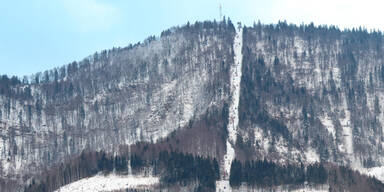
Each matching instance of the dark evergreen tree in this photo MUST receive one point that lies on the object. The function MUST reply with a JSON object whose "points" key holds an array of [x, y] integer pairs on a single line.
{"points": [[235, 177]]}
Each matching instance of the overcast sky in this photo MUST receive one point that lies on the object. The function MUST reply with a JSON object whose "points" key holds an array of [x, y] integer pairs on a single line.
{"points": [[36, 35]]}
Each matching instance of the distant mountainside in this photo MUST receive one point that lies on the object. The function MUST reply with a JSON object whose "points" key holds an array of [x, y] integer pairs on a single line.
{"points": [[205, 107]]}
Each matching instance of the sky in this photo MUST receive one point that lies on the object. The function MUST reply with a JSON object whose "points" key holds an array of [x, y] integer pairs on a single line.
{"points": [[36, 35]]}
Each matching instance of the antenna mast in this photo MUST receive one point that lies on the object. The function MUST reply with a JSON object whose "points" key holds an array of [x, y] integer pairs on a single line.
{"points": [[220, 9]]}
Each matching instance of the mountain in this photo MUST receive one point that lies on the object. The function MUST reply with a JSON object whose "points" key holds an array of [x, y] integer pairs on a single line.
{"points": [[204, 107]]}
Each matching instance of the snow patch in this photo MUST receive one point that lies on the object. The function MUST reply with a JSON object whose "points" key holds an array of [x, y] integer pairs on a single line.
{"points": [[188, 109], [311, 156], [286, 188], [228, 158], [299, 45], [377, 172], [328, 124], [168, 87], [312, 189], [222, 186], [262, 139], [346, 128], [281, 147], [336, 76], [109, 183]]}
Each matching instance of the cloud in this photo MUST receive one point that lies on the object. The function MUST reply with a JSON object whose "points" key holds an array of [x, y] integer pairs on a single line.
{"points": [[344, 13], [91, 15]]}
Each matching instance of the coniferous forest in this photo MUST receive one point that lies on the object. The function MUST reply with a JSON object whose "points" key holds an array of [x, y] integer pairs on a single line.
{"points": [[173, 168], [263, 173], [176, 168], [266, 174]]}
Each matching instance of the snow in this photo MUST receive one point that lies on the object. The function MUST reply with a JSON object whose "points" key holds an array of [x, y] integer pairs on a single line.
{"points": [[222, 186], [328, 124], [228, 158], [262, 139], [311, 189], [286, 188], [346, 128], [188, 104], [377, 172], [168, 87], [336, 76], [109, 183], [235, 88], [299, 45], [311, 155], [233, 108], [281, 147], [235, 78]]}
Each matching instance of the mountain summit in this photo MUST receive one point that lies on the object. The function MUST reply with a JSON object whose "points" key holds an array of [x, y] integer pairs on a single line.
{"points": [[204, 107]]}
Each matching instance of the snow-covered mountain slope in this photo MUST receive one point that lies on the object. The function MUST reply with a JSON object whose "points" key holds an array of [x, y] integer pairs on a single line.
{"points": [[312, 94], [117, 97], [290, 94]]}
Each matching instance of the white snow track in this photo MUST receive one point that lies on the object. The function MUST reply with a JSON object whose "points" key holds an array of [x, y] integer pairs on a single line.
{"points": [[110, 182], [233, 118]]}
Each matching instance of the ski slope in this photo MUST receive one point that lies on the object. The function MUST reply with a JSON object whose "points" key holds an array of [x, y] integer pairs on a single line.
{"points": [[233, 121]]}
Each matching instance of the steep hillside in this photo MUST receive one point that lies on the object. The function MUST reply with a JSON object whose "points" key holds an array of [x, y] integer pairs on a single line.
{"points": [[312, 94], [200, 99], [117, 97]]}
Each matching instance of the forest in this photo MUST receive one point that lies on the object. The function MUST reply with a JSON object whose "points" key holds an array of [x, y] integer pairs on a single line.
{"points": [[174, 168], [295, 80], [263, 173], [105, 100], [267, 174]]}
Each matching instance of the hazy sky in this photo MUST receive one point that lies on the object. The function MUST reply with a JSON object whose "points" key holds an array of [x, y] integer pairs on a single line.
{"points": [[36, 35]]}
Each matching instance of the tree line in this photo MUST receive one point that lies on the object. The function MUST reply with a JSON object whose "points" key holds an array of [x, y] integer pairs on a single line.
{"points": [[263, 173], [173, 168]]}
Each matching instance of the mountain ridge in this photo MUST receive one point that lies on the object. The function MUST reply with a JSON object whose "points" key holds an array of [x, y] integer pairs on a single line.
{"points": [[307, 94]]}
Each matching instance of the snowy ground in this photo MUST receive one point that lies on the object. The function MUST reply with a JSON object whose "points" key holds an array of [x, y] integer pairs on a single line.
{"points": [[233, 108], [328, 124], [285, 188], [347, 145], [311, 156], [312, 189], [110, 182], [377, 172], [223, 185]]}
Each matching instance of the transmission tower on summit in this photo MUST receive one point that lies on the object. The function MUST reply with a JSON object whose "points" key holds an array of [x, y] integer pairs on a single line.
{"points": [[220, 10]]}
